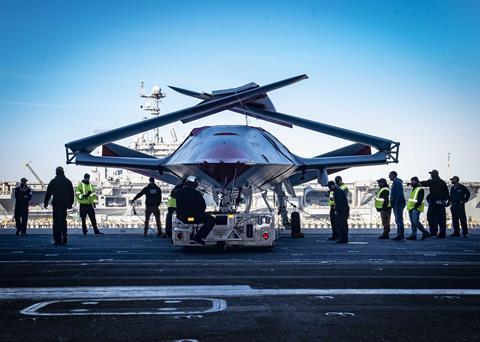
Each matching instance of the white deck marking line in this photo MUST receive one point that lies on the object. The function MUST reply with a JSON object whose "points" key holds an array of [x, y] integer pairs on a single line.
{"points": [[166, 292], [35, 309]]}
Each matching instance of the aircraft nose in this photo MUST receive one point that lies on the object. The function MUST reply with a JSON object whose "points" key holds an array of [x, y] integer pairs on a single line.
{"points": [[223, 153]]}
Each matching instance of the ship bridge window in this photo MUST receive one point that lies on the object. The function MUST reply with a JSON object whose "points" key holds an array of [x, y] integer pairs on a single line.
{"points": [[225, 133]]}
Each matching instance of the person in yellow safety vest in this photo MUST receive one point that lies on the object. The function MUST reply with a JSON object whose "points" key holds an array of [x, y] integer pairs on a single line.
{"points": [[415, 206], [172, 207], [86, 197], [383, 206], [331, 203], [341, 185]]}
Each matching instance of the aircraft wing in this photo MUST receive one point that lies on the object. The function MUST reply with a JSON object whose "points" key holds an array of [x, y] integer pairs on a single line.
{"points": [[333, 161], [382, 144], [206, 108], [84, 158], [262, 108], [118, 156]]}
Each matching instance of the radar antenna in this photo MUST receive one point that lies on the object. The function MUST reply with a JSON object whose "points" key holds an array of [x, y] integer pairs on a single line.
{"points": [[156, 97]]}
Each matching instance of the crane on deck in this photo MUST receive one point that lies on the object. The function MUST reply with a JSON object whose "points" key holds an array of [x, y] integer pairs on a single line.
{"points": [[29, 166]]}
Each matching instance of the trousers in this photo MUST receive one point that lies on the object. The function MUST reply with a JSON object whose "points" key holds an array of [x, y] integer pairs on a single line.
{"points": [[87, 209], [437, 219], [341, 222], [414, 215], [458, 214], [385, 215], [333, 223], [59, 223], [21, 218], [398, 213], [168, 222], [156, 212]]}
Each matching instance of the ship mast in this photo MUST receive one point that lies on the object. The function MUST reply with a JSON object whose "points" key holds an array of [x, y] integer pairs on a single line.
{"points": [[153, 109]]}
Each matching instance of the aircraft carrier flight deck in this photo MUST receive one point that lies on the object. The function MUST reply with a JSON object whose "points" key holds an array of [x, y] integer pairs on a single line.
{"points": [[124, 286]]}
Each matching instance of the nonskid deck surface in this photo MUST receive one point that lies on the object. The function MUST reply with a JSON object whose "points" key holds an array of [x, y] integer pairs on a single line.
{"points": [[122, 285]]}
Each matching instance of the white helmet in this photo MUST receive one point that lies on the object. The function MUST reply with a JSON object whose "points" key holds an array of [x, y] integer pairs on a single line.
{"points": [[192, 179]]}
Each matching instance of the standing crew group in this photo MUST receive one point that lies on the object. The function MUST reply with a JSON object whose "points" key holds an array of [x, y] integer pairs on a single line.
{"points": [[393, 199], [189, 205]]}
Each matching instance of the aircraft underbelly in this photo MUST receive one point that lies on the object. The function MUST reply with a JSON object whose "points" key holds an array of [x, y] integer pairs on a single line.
{"points": [[236, 175]]}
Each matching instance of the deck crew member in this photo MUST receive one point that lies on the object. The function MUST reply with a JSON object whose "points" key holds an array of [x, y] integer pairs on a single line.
{"points": [[61, 189], [342, 211], [415, 207], [23, 195], [153, 198], [331, 203], [191, 208], [87, 198], [171, 208], [397, 200], [339, 182], [437, 202], [383, 206], [459, 195]]}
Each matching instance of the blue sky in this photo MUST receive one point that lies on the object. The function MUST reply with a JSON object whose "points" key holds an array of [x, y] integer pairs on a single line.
{"points": [[406, 70]]}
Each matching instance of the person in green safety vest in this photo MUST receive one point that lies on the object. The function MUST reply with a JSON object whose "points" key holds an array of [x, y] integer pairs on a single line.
{"points": [[331, 203], [171, 208], [86, 198], [415, 206], [341, 185], [383, 206], [342, 210]]}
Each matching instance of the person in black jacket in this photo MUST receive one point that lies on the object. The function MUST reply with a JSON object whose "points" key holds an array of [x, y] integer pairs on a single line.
{"points": [[342, 211], [61, 189], [153, 198], [23, 195], [191, 209], [437, 201], [459, 195]]}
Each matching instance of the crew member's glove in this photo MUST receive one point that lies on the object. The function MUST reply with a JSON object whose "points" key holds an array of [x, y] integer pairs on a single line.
{"points": [[88, 194], [45, 205]]}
